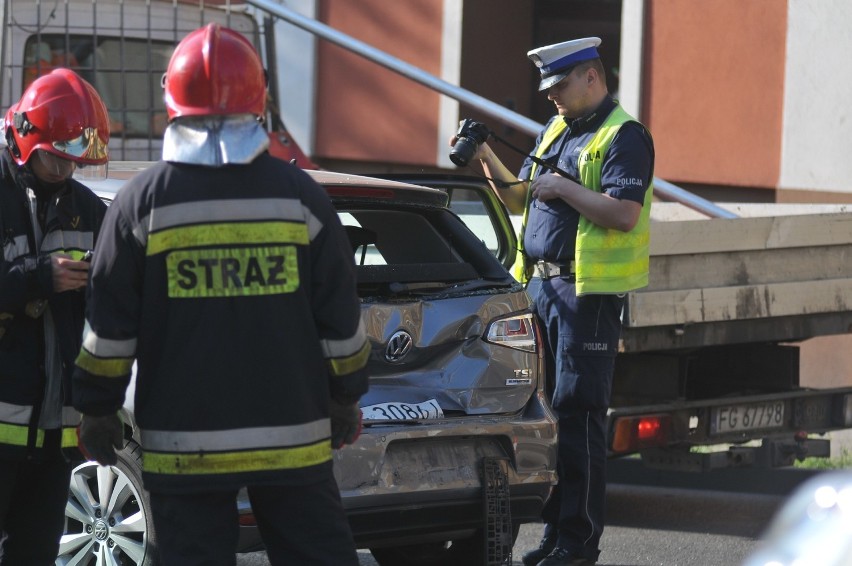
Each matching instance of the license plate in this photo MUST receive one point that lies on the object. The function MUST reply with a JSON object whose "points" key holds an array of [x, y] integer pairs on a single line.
{"points": [[752, 416], [403, 411]]}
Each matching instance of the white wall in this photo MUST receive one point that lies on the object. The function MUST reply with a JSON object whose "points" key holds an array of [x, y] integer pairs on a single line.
{"points": [[448, 113], [296, 53], [630, 65], [817, 133]]}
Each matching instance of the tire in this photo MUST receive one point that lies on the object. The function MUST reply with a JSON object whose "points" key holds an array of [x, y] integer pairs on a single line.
{"points": [[108, 515], [463, 552]]}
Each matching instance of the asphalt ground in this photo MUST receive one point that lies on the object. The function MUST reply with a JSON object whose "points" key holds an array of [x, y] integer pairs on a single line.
{"points": [[658, 518]]}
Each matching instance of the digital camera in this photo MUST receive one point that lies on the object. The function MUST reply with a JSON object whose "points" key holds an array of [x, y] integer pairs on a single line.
{"points": [[470, 136]]}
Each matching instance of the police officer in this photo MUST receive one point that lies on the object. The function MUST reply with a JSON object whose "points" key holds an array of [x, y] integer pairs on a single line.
{"points": [[226, 274], [48, 221], [585, 239]]}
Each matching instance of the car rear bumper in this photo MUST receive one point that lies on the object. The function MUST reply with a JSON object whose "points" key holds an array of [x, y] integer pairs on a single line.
{"points": [[426, 480], [420, 518]]}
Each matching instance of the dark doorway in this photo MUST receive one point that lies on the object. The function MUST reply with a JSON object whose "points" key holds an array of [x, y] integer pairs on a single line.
{"points": [[555, 21]]}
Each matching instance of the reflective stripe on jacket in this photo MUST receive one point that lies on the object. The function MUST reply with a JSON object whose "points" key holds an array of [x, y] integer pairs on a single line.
{"points": [[237, 450], [15, 428]]}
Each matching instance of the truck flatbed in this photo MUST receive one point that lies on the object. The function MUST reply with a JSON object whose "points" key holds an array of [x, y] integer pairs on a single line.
{"points": [[779, 273], [709, 352]]}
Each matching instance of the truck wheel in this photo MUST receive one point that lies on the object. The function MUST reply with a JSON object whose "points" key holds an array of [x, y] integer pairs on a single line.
{"points": [[108, 515]]}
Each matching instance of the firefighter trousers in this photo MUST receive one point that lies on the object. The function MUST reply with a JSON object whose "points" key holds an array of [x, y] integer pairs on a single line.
{"points": [[303, 525]]}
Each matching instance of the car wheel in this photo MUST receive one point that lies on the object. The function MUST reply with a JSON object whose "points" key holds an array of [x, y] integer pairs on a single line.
{"points": [[108, 515], [463, 552]]}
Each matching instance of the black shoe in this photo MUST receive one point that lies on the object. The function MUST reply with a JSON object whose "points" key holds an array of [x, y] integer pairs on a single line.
{"points": [[545, 547], [564, 557]]}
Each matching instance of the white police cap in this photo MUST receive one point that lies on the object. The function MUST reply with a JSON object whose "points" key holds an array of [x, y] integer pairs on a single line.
{"points": [[556, 61]]}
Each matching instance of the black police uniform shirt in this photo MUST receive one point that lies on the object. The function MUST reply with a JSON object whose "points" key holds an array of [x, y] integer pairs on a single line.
{"points": [[551, 229]]}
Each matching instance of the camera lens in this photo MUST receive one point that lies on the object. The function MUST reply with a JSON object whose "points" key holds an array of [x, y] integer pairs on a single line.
{"points": [[463, 151]]}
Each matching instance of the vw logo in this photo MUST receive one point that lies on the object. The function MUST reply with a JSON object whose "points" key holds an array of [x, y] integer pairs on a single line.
{"points": [[101, 530], [398, 346]]}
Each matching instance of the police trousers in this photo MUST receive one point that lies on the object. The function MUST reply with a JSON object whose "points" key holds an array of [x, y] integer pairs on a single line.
{"points": [[581, 338], [300, 525]]}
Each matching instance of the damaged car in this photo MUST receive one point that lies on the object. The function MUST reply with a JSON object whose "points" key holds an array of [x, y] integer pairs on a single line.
{"points": [[458, 447]]}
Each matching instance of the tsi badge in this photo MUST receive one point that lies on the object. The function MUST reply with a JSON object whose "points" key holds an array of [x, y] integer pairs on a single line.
{"points": [[522, 377]]}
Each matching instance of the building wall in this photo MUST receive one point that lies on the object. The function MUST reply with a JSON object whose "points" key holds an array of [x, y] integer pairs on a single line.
{"points": [[496, 35], [295, 54], [371, 118], [365, 111], [365, 117], [817, 109], [745, 98], [714, 87]]}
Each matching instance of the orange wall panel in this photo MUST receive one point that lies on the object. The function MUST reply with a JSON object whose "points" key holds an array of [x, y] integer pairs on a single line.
{"points": [[365, 111], [714, 89]]}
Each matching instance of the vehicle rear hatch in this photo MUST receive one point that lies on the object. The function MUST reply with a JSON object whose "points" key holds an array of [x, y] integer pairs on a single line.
{"points": [[448, 324]]}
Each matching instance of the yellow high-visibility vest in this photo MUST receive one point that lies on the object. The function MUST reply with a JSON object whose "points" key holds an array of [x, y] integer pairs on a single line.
{"points": [[607, 261], [520, 270], [610, 261]]}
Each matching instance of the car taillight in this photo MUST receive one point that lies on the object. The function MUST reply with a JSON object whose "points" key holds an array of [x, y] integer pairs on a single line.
{"points": [[516, 332], [635, 433]]}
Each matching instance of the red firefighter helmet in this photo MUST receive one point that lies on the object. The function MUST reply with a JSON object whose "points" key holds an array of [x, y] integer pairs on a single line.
{"points": [[214, 71], [62, 114]]}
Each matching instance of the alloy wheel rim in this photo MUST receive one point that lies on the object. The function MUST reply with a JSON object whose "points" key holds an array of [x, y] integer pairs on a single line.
{"points": [[105, 522]]}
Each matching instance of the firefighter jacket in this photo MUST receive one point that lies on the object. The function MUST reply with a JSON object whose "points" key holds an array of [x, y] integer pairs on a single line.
{"points": [[233, 288], [40, 331]]}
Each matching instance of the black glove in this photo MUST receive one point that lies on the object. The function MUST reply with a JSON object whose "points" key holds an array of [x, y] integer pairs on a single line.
{"points": [[99, 437], [345, 423]]}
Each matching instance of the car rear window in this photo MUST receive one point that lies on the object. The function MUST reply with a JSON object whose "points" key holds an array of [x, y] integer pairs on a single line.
{"points": [[400, 249]]}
